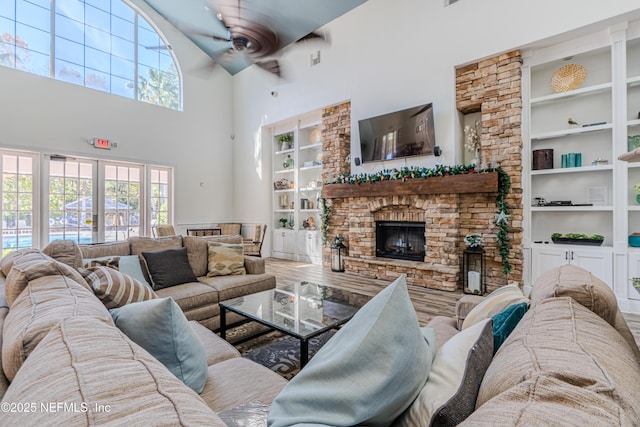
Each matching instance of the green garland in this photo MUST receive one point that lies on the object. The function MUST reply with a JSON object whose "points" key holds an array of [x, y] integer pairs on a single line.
{"points": [[502, 220], [325, 217], [412, 172]]}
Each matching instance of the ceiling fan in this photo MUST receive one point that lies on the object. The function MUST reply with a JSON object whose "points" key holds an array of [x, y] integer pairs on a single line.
{"points": [[243, 37]]}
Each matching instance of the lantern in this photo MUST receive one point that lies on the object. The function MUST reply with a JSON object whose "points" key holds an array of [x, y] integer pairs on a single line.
{"points": [[473, 270], [337, 254]]}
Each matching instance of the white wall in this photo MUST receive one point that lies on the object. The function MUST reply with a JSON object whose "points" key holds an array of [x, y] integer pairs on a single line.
{"points": [[385, 56], [56, 117]]}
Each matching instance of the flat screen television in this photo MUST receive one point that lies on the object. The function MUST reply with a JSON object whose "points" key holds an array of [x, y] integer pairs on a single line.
{"points": [[404, 133]]}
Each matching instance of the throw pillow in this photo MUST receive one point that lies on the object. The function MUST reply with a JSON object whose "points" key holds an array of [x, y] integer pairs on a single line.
{"points": [[116, 289], [65, 251], [169, 267], [127, 264], [497, 301], [505, 322], [368, 373], [449, 396], [225, 259], [160, 327]]}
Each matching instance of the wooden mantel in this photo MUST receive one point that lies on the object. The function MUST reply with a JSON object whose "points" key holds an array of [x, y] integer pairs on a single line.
{"points": [[452, 184]]}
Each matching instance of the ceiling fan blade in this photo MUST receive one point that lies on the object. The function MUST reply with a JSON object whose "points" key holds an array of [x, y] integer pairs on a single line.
{"points": [[271, 66]]}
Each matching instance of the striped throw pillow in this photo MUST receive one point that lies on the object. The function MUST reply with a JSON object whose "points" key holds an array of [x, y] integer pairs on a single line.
{"points": [[116, 289]]}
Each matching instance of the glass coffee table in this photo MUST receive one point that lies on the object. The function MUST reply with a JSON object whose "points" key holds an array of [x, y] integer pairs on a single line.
{"points": [[302, 310]]}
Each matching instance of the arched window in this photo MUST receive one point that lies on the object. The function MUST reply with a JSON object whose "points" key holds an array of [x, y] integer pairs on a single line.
{"points": [[105, 45]]}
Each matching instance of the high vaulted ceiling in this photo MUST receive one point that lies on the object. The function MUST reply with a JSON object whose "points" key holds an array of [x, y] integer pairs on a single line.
{"points": [[238, 33]]}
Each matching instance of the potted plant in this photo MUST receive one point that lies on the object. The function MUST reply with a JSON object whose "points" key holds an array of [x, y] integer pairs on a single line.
{"points": [[637, 188], [577, 239], [283, 222], [285, 141]]}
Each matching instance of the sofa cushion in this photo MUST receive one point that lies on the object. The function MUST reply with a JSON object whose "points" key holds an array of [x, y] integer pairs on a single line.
{"points": [[449, 396], [561, 342], [43, 304], [494, 303], [116, 289], [87, 361], [98, 250], [368, 373], [169, 267], [191, 295], [579, 284], [198, 251], [159, 326], [215, 347], [151, 244], [236, 381], [65, 251], [236, 286], [7, 261], [549, 401], [31, 267], [506, 321], [225, 259]]}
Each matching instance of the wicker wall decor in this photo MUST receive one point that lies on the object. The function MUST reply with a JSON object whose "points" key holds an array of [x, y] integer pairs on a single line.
{"points": [[569, 77]]}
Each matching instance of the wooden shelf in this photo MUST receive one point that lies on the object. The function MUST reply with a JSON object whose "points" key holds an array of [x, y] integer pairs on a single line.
{"points": [[453, 184]]}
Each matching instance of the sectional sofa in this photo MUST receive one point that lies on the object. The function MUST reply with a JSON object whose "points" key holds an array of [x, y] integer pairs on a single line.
{"points": [[198, 299], [64, 361], [570, 359]]}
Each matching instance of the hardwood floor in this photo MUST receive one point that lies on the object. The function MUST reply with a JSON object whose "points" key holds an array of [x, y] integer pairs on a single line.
{"points": [[427, 302]]}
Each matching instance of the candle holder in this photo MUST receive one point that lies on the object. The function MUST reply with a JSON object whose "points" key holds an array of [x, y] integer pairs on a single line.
{"points": [[337, 254], [473, 271]]}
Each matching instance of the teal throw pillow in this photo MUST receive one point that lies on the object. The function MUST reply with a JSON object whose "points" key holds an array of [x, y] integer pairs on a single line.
{"points": [[505, 322], [368, 373], [160, 327]]}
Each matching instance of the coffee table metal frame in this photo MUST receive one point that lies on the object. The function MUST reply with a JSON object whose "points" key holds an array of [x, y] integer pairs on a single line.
{"points": [[299, 329]]}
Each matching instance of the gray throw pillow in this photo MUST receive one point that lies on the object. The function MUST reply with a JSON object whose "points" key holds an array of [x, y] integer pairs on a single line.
{"points": [[160, 327], [169, 267], [368, 373], [450, 394]]}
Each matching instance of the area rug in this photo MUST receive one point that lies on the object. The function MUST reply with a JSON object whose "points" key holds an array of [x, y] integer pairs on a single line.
{"points": [[275, 350]]}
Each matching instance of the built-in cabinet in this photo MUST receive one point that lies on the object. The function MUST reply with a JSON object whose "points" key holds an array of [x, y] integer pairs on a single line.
{"points": [[588, 125], [297, 176]]}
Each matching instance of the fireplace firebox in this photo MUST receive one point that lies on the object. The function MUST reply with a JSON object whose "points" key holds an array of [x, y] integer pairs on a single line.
{"points": [[400, 240]]}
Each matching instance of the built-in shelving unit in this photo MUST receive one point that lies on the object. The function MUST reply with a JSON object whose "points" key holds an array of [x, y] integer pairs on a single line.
{"points": [[299, 239], [594, 119]]}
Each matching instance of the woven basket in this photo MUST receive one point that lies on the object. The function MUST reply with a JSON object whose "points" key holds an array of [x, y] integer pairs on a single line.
{"points": [[569, 77]]}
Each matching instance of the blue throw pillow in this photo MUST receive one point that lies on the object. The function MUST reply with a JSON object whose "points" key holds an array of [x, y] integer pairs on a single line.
{"points": [[368, 373], [160, 327], [505, 322]]}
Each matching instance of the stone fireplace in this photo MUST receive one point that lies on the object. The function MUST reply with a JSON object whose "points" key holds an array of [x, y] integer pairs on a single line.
{"points": [[492, 87], [400, 240]]}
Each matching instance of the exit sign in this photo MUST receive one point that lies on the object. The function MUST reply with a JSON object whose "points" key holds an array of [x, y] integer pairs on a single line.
{"points": [[102, 143]]}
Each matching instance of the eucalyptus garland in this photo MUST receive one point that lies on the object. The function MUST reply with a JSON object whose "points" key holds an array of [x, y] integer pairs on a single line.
{"points": [[413, 172]]}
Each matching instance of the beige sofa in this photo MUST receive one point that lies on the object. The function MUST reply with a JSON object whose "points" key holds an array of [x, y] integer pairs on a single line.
{"points": [[66, 363], [198, 300], [571, 360]]}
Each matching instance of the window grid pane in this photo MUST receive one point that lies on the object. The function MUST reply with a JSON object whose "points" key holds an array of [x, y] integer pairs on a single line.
{"points": [[94, 47], [17, 202], [121, 202]]}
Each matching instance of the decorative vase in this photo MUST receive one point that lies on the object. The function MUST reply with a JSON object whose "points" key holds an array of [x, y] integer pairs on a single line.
{"points": [[288, 164]]}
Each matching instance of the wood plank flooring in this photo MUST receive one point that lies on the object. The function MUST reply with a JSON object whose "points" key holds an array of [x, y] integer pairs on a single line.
{"points": [[427, 302]]}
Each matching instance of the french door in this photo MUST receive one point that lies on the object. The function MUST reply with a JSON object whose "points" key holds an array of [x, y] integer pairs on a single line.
{"points": [[48, 197], [93, 201]]}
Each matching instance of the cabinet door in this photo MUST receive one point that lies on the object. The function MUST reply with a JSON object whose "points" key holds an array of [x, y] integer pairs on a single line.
{"points": [[309, 247], [543, 259], [284, 243], [600, 264], [634, 271]]}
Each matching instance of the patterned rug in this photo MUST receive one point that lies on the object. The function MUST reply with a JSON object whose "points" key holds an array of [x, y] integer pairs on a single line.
{"points": [[275, 350]]}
